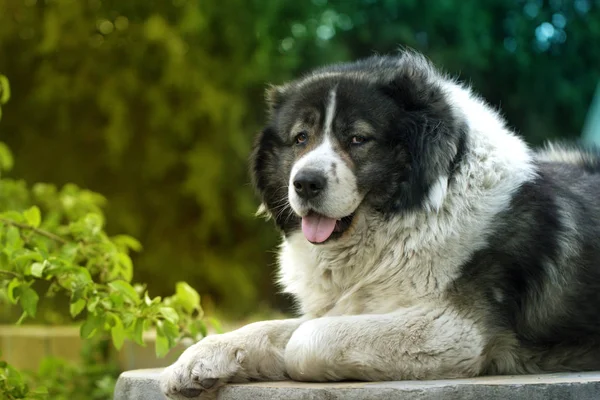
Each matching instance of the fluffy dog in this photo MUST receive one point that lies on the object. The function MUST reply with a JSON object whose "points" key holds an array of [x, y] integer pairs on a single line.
{"points": [[422, 238]]}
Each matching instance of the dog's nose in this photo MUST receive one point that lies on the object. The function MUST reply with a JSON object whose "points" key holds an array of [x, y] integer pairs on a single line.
{"points": [[309, 184]]}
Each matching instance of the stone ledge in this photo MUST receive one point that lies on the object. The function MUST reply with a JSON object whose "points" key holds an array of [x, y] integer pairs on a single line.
{"points": [[143, 385]]}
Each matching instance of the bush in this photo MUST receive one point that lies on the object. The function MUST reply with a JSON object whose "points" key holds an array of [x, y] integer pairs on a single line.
{"points": [[94, 378], [53, 243], [146, 103]]}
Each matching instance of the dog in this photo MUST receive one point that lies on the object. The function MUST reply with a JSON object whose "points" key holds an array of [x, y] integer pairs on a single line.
{"points": [[422, 238]]}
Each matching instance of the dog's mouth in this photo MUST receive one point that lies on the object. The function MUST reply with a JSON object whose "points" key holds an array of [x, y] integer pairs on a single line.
{"points": [[318, 228]]}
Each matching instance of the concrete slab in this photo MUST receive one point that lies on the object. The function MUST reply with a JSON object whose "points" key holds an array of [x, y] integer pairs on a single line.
{"points": [[143, 385]]}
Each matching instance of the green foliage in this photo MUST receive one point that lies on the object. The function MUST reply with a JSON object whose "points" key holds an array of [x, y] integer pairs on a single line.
{"points": [[94, 379], [14, 386], [57, 237], [70, 250], [4, 97], [6, 159], [146, 102]]}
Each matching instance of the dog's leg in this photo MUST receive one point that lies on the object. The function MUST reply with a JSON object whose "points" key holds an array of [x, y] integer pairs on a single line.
{"points": [[415, 343], [253, 352]]}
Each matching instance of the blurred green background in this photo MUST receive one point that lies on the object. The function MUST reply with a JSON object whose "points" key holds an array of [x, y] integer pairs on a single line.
{"points": [[155, 105]]}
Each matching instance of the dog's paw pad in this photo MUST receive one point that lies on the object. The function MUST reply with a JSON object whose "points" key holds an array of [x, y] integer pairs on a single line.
{"points": [[190, 392], [208, 383]]}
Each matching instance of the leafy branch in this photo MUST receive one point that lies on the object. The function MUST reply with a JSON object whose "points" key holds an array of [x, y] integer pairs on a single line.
{"points": [[57, 236], [71, 251], [36, 230]]}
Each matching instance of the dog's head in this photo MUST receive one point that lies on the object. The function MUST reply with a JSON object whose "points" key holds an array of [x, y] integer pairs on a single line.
{"points": [[374, 136]]}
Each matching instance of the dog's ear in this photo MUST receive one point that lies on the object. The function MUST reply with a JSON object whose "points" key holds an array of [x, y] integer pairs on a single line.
{"points": [[269, 162], [428, 130], [415, 85], [275, 96], [268, 166], [410, 89]]}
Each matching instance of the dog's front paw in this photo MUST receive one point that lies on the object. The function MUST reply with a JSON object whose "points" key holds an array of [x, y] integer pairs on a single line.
{"points": [[202, 369]]}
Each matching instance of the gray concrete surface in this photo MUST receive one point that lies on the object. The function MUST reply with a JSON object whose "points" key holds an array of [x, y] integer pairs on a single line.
{"points": [[143, 385]]}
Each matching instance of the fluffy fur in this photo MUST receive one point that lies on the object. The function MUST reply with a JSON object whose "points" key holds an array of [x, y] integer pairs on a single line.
{"points": [[458, 251]]}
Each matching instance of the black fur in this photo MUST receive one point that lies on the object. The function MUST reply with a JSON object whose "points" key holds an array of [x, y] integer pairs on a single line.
{"points": [[543, 259]]}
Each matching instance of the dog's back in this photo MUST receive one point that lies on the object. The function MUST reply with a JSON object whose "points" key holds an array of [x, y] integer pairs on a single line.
{"points": [[541, 269]]}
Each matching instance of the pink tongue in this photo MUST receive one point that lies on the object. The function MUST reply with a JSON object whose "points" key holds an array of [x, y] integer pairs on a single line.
{"points": [[317, 228]]}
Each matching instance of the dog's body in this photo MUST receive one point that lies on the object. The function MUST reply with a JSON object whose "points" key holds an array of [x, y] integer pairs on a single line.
{"points": [[422, 239]]}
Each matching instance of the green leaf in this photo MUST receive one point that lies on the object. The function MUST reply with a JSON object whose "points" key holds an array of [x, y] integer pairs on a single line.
{"points": [[138, 331], [12, 286], [37, 269], [4, 261], [171, 332], [127, 242], [87, 228], [12, 215], [33, 216], [13, 239], [93, 303], [4, 90], [118, 332], [187, 297], [126, 266], [28, 256], [126, 290], [215, 324], [161, 346], [201, 327], [170, 314], [69, 251], [91, 326], [6, 158], [28, 300], [93, 223], [106, 303], [40, 390], [150, 302], [77, 307], [77, 293], [82, 276], [117, 301]]}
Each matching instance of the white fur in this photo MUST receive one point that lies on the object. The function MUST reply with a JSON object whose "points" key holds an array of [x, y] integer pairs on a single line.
{"points": [[437, 194], [373, 301], [384, 347], [330, 113], [557, 153]]}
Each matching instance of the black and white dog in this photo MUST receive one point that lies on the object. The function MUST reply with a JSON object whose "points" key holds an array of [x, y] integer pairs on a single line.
{"points": [[422, 239]]}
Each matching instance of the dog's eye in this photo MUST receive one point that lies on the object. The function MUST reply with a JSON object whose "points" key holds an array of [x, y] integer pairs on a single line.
{"points": [[301, 138], [356, 140]]}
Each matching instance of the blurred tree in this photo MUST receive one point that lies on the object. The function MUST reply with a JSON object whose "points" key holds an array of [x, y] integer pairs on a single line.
{"points": [[155, 103], [148, 102]]}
